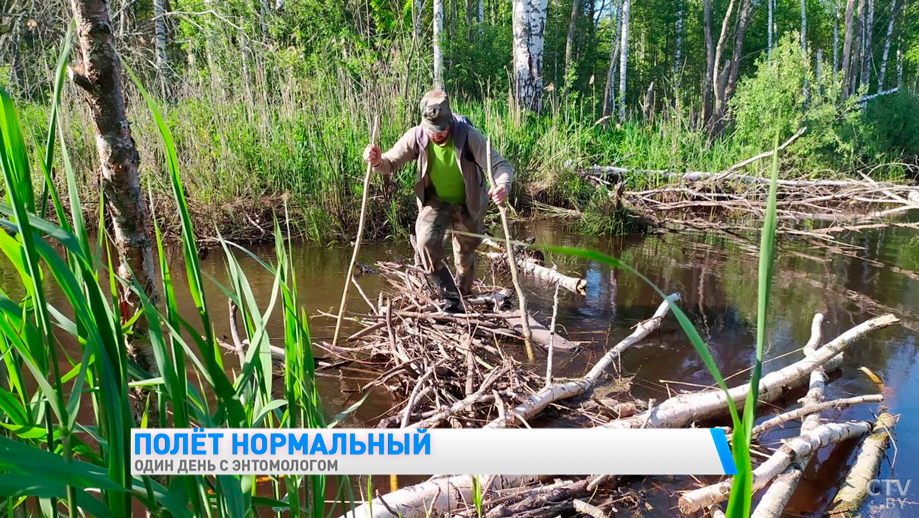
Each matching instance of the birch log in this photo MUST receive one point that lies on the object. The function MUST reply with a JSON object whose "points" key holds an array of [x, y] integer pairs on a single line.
{"points": [[815, 409], [854, 490], [804, 444], [435, 497], [542, 399], [546, 275], [682, 410]]}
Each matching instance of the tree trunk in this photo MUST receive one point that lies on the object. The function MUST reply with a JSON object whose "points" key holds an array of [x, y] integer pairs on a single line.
{"points": [[470, 16], [438, 39], [569, 41], [417, 21], [162, 62], [854, 491], [836, 46], [709, 62], [867, 53], [678, 53], [847, 48], [804, 25], [481, 19], [529, 24], [818, 73], [623, 57], [857, 48], [99, 75], [718, 80], [609, 94], [739, 35], [882, 74], [900, 64], [769, 28]]}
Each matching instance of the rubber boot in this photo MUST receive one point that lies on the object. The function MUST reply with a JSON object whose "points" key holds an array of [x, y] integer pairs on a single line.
{"points": [[445, 284]]}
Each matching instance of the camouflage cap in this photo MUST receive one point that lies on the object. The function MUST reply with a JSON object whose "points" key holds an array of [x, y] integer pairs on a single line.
{"points": [[435, 111]]}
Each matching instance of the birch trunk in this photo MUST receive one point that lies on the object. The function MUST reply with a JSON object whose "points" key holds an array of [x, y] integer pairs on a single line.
{"points": [[609, 94], [882, 73], [818, 73], [769, 28], [99, 75], [847, 48], [743, 21], [569, 41], [804, 25], [854, 491], [438, 39], [836, 46], [623, 57], [162, 62], [529, 25], [481, 18], [867, 54], [678, 53], [709, 62], [857, 48], [682, 410], [804, 445], [545, 397], [900, 64], [419, 4], [717, 83]]}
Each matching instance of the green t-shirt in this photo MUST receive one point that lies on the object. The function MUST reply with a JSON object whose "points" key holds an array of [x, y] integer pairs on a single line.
{"points": [[445, 172]]}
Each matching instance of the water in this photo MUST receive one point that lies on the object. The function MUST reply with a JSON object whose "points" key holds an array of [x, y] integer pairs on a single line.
{"points": [[716, 277]]}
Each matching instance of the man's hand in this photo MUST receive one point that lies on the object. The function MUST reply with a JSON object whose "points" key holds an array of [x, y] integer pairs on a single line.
{"points": [[373, 155], [498, 194]]}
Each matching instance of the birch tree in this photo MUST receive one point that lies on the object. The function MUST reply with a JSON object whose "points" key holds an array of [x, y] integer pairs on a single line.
{"points": [[438, 39], [98, 75], [709, 62], [719, 73], [569, 41], [858, 47], [847, 47], [769, 29], [678, 50], [623, 57], [867, 54], [804, 25], [609, 93], [529, 26], [882, 73]]}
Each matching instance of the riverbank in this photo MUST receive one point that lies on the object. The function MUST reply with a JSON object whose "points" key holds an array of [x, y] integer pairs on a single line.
{"points": [[297, 156]]}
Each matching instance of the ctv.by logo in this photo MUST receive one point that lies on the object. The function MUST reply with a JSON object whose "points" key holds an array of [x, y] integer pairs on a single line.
{"points": [[894, 490]]}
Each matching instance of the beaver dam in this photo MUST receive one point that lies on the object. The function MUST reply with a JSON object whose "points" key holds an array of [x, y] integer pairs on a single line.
{"points": [[472, 370]]}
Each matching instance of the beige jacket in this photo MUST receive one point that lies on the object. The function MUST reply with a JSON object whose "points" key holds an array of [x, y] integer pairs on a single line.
{"points": [[470, 152]]}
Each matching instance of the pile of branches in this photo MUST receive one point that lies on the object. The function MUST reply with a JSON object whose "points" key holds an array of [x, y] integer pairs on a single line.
{"points": [[451, 370], [447, 369]]}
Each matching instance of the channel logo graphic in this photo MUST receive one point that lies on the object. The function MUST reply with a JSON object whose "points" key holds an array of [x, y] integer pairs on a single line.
{"points": [[599, 451]]}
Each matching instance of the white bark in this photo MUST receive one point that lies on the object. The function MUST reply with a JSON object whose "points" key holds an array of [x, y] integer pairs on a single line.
{"points": [[867, 52], [805, 444], [882, 73], [678, 51], [545, 397], [529, 25], [900, 64], [419, 5], [812, 406], [804, 25], [682, 410], [435, 497], [854, 490], [819, 71], [438, 39], [836, 45], [770, 27], [481, 14], [623, 57], [546, 275], [162, 62], [609, 95]]}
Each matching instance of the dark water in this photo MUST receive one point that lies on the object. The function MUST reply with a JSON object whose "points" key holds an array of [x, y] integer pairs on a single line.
{"points": [[716, 277]]}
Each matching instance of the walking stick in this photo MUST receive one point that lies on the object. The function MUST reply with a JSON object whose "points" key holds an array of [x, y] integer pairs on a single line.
{"points": [[525, 317], [357, 240]]}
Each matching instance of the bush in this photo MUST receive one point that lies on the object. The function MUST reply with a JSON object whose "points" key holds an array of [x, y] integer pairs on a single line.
{"points": [[784, 96], [896, 124]]}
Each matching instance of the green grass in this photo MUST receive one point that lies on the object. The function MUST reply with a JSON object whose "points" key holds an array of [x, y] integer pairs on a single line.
{"points": [[56, 458]]}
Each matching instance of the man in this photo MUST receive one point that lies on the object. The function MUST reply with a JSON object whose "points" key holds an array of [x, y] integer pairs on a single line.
{"points": [[450, 188]]}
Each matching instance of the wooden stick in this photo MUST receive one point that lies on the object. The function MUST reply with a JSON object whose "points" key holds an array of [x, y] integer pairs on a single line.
{"points": [[551, 338], [854, 490], [527, 335], [357, 240]]}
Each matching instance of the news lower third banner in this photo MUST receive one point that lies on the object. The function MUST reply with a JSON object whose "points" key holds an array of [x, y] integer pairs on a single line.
{"points": [[594, 451]]}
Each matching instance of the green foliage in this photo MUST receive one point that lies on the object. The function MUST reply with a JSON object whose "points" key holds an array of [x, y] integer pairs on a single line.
{"points": [[895, 124], [784, 96]]}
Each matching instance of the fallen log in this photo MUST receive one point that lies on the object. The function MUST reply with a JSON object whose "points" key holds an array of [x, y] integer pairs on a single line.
{"points": [[685, 409], [854, 490], [543, 274], [804, 411], [707, 176], [804, 444], [540, 334], [433, 497], [545, 397]]}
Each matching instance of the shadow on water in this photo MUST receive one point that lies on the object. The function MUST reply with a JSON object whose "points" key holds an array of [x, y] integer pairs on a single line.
{"points": [[717, 280]]}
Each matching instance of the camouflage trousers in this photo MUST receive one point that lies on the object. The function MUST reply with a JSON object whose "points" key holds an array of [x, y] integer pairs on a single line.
{"points": [[434, 218]]}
